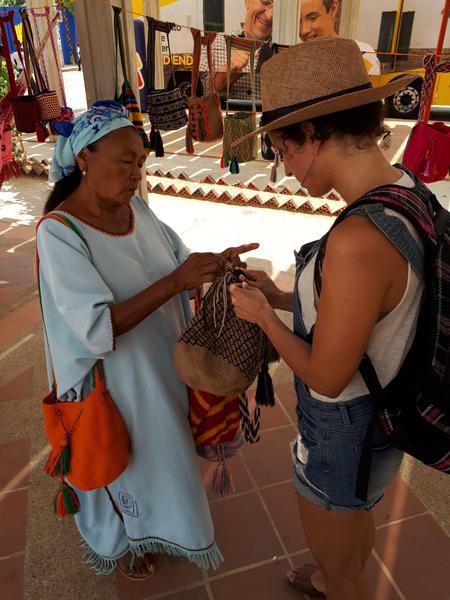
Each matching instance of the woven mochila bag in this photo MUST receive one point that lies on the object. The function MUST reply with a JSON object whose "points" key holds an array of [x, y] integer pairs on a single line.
{"points": [[166, 107], [221, 354], [239, 124]]}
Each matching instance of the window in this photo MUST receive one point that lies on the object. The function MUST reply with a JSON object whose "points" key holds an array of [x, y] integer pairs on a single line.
{"points": [[213, 15], [387, 33]]}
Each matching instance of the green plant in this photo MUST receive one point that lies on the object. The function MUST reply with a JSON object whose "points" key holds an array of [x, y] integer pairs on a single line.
{"points": [[12, 2]]}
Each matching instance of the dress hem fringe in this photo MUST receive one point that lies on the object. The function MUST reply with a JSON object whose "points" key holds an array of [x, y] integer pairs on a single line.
{"points": [[209, 558]]}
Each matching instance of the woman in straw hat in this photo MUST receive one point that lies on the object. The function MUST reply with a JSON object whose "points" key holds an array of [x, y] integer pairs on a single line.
{"points": [[324, 119]]}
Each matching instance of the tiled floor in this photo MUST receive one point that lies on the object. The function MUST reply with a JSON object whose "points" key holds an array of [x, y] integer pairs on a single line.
{"points": [[257, 527]]}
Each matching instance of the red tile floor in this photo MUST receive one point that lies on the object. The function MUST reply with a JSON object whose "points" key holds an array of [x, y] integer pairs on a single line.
{"points": [[257, 527]]}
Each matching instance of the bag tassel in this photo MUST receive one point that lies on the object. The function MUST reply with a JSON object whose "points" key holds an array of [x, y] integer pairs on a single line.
{"points": [[273, 172], [265, 395], [222, 161], [222, 481], [234, 166], [58, 461], [66, 501], [159, 146], [189, 140], [152, 139]]}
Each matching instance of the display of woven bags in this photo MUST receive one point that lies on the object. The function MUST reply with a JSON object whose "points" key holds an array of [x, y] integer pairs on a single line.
{"points": [[221, 354], [47, 100], [239, 124], [166, 107], [205, 113]]}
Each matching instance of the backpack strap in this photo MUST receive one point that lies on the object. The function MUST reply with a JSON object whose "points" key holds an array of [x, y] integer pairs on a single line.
{"points": [[417, 206]]}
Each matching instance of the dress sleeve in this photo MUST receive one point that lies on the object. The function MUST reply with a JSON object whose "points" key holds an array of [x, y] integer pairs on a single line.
{"points": [[180, 249], [72, 290]]}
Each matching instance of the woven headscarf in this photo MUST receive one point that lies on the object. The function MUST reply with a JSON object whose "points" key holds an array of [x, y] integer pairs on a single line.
{"points": [[104, 117]]}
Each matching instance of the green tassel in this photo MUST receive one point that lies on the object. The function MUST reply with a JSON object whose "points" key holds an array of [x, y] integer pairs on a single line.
{"points": [[62, 466], [66, 501]]}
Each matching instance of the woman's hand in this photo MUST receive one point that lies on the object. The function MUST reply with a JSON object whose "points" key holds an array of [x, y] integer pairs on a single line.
{"points": [[198, 268], [250, 304], [232, 255], [262, 281]]}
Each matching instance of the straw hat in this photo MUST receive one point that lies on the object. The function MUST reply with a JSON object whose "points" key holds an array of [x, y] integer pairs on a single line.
{"points": [[316, 78]]}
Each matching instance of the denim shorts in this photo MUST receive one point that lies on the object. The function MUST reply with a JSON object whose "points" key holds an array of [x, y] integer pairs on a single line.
{"points": [[327, 450]]}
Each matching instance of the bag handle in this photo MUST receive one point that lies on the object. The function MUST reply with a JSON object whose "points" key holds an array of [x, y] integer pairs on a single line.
{"points": [[36, 13], [98, 372], [120, 49], [153, 27], [431, 70], [28, 38], [200, 41], [247, 46]]}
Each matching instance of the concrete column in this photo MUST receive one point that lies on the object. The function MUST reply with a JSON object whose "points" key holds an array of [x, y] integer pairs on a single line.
{"points": [[286, 21], [52, 64], [349, 19]]}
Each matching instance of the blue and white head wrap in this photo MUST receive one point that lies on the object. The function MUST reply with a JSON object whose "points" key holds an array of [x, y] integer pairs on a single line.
{"points": [[104, 117]]}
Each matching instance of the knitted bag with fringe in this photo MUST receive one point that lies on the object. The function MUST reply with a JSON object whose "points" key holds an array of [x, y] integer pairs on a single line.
{"points": [[221, 354]]}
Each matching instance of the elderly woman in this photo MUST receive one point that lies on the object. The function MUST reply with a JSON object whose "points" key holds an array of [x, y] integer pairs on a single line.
{"points": [[324, 119], [119, 294]]}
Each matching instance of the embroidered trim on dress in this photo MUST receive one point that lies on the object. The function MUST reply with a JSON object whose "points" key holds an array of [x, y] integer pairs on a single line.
{"points": [[109, 233]]}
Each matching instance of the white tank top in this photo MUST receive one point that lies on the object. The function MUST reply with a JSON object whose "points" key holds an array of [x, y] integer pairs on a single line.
{"points": [[392, 336]]}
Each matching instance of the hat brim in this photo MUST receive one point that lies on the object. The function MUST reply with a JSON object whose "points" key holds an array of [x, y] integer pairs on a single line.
{"points": [[333, 105]]}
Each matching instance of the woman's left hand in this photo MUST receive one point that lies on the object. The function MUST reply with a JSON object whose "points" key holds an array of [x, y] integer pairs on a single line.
{"points": [[250, 304], [232, 255]]}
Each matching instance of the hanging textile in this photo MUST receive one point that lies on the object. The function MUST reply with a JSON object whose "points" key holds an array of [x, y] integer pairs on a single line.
{"points": [[9, 167], [127, 97], [62, 7]]}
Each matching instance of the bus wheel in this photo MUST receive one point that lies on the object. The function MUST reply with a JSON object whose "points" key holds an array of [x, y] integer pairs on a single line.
{"points": [[405, 103]]}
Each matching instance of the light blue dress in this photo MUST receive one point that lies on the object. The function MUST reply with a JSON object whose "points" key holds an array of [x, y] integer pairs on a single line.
{"points": [[160, 495]]}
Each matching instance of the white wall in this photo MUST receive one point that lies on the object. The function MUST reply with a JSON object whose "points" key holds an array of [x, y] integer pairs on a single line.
{"points": [[190, 13], [427, 21]]}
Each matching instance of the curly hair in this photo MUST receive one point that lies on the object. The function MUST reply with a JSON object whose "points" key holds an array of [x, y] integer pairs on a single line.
{"points": [[362, 123]]}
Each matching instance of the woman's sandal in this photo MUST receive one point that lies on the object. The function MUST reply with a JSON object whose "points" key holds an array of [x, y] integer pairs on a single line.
{"points": [[300, 579], [145, 571]]}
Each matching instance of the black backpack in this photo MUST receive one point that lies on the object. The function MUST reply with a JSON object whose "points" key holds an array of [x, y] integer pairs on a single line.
{"points": [[414, 409]]}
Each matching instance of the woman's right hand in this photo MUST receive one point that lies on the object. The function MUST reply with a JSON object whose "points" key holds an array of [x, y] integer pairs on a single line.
{"points": [[198, 268], [262, 281]]}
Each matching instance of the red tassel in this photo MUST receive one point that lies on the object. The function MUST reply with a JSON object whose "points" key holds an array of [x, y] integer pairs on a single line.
{"points": [[66, 501], [41, 131], [58, 462], [222, 161], [189, 140]]}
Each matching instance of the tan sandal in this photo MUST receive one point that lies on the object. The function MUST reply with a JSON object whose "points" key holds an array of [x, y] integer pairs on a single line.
{"points": [[145, 571], [300, 579]]}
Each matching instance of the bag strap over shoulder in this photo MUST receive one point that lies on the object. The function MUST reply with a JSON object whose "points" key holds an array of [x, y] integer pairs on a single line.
{"points": [[200, 41], [403, 200], [246, 46], [98, 372], [153, 27]]}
